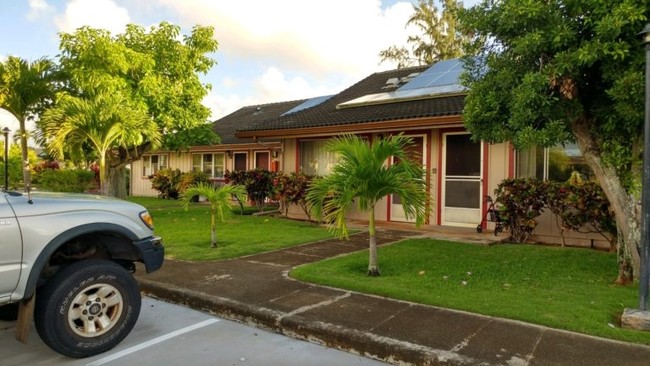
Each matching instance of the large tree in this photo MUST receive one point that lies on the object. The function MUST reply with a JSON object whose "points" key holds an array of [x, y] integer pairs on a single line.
{"points": [[364, 176], [25, 89], [438, 39], [546, 72], [155, 71]]}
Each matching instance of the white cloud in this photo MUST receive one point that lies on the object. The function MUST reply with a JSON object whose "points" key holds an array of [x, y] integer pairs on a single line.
{"points": [[303, 48], [38, 8], [104, 14], [317, 36]]}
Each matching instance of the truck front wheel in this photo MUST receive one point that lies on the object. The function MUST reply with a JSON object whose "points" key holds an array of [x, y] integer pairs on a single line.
{"points": [[87, 308]]}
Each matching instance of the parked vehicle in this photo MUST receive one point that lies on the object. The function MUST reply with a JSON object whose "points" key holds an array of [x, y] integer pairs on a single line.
{"points": [[69, 259]]}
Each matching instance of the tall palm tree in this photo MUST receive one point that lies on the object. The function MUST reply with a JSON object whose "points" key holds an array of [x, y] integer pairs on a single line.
{"points": [[220, 199], [439, 39], [24, 89], [363, 175], [105, 122]]}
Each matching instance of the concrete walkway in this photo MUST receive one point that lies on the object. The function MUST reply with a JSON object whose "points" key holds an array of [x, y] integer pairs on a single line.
{"points": [[256, 290]]}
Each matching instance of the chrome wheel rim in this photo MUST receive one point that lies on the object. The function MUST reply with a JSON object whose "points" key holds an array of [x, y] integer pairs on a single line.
{"points": [[95, 310]]}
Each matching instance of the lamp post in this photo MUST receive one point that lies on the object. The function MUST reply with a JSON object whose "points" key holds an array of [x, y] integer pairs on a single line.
{"points": [[5, 131], [644, 277]]}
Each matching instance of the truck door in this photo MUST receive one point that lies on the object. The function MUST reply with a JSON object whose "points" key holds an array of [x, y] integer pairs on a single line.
{"points": [[10, 250]]}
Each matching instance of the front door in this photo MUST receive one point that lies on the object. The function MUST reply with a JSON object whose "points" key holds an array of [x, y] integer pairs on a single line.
{"points": [[461, 180], [416, 151]]}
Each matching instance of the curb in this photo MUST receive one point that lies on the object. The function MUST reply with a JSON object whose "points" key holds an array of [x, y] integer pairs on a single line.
{"points": [[349, 340]]}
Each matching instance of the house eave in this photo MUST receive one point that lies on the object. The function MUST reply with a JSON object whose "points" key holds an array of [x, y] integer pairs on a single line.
{"points": [[367, 127]]}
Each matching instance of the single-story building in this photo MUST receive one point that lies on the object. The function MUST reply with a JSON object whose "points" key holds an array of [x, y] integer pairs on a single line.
{"points": [[424, 102]]}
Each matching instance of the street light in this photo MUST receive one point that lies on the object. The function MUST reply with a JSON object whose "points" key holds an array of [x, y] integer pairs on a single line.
{"points": [[5, 131], [644, 277]]}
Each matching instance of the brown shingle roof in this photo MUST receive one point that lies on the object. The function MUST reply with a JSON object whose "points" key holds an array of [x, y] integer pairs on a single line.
{"points": [[327, 114], [249, 116]]}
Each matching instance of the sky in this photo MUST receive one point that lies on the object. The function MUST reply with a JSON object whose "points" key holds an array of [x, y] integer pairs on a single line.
{"points": [[269, 50]]}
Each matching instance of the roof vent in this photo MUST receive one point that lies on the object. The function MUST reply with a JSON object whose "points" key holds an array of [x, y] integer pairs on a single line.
{"points": [[392, 82]]}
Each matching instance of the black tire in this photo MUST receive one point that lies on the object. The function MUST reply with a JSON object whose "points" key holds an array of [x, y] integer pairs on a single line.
{"points": [[479, 229], [87, 308]]}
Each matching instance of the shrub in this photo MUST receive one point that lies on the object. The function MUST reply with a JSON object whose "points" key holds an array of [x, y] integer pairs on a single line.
{"points": [[171, 182], [520, 201], [66, 180], [258, 183], [578, 205], [583, 207], [192, 178], [292, 189], [166, 182]]}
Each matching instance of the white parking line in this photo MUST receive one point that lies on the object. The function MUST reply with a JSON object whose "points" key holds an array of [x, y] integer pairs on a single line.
{"points": [[152, 342]]}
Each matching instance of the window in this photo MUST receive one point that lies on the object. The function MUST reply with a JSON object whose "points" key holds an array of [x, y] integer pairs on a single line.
{"points": [[555, 163], [314, 159], [213, 165], [152, 164]]}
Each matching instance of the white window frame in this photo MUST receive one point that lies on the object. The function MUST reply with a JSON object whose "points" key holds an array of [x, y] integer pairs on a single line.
{"points": [[211, 167], [546, 159], [149, 167]]}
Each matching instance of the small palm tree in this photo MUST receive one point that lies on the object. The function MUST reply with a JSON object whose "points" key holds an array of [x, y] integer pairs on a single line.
{"points": [[362, 175], [220, 199], [104, 121]]}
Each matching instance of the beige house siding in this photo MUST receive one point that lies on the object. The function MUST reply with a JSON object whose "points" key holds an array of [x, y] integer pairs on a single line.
{"points": [[141, 185]]}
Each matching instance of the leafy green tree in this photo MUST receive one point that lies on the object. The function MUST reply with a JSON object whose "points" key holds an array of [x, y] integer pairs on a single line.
{"points": [[220, 199], [105, 121], [25, 89], [155, 72], [439, 38], [546, 72], [363, 175]]}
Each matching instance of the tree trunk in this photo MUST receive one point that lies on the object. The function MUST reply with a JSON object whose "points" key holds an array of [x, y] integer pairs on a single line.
{"points": [[213, 228], [373, 267], [627, 221], [119, 160], [625, 267], [117, 182], [27, 177], [103, 177]]}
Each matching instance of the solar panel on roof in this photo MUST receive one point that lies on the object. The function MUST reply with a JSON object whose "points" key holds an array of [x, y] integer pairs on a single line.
{"points": [[441, 73], [307, 104], [441, 79]]}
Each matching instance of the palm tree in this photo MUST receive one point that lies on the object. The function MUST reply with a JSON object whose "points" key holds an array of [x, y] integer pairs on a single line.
{"points": [[362, 175], [24, 89], [105, 122], [439, 37], [220, 202]]}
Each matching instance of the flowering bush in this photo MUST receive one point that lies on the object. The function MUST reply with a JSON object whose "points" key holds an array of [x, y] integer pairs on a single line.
{"points": [[171, 182], [578, 205], [292, 189], [520, 201], [258, 183]]}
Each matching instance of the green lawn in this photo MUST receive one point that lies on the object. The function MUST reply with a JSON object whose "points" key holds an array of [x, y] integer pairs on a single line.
{"points": [[565, 288], [186, 234]]}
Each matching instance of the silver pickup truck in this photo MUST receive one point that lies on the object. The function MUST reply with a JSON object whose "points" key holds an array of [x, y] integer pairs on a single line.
{"points": [[67, 261]]}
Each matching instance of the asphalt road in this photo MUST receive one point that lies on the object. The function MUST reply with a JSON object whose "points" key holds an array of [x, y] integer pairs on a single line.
{"points": [[168, 334]]}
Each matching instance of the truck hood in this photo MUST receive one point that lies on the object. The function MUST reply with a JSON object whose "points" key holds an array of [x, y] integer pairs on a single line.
{"points": [[46, 203]]}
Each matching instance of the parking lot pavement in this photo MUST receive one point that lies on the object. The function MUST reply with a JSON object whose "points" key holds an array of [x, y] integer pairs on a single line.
{"points": [[168, 334]]}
